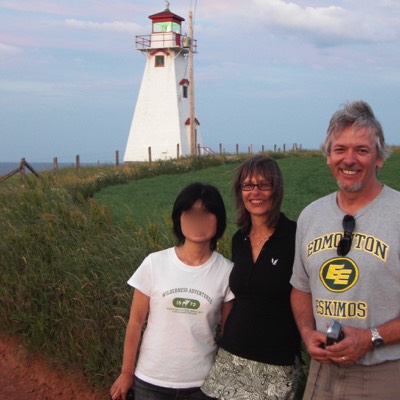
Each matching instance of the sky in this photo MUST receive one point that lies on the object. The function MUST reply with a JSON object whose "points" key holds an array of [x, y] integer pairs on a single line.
{"points": [[267, 72]]}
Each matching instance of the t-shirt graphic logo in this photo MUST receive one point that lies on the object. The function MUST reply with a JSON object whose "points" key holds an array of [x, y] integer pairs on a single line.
{"points": [[339, 274], [186, 303]]}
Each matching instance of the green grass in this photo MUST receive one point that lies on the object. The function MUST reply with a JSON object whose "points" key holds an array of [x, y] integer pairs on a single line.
{"points": [[151, 199], [65, 256], [306, 179]]}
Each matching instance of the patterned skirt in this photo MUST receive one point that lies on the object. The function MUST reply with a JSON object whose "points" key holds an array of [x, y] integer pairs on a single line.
{"points": [[236, 378]]}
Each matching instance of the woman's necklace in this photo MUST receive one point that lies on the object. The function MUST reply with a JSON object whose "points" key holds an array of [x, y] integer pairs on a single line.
{"points": [[258, 240]]}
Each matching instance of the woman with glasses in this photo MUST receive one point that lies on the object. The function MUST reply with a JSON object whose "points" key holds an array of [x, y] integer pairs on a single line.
{"points": [[183, 292], [259, 350]]}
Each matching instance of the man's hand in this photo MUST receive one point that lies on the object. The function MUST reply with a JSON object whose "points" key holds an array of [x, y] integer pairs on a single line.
{"points": [[356, 343], [315, 343]]}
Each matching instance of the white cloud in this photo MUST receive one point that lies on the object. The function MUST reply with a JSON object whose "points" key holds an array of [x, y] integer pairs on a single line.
{"points": [[331, 25], [7, 49], [103, 26], [324, 23], [42, 7]]}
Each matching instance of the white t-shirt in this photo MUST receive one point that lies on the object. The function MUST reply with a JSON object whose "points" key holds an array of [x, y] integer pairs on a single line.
{"points": [[178, 345]]}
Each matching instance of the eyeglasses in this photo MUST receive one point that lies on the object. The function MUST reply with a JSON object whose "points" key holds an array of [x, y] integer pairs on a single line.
{"points": [[248, 186], [344, 245]]}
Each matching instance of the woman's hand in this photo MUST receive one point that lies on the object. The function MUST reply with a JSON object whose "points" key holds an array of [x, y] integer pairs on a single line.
{"points": [[121, 386]]}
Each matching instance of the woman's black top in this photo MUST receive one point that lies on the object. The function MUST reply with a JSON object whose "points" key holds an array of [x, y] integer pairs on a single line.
{"points": [[261, 326]]}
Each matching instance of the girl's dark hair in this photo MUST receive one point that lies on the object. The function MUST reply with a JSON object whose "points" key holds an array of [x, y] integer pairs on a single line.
{"points": [[212, 201], [267, 168]]}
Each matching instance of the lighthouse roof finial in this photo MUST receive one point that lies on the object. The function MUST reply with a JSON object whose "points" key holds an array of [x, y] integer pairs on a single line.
{"points": [[166, 5]]}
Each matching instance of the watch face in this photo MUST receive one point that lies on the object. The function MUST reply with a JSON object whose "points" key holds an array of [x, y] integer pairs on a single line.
{"points": [[377, 342]]}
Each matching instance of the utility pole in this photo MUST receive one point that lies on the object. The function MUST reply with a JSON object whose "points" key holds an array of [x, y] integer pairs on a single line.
{"points": [[191, 98]]}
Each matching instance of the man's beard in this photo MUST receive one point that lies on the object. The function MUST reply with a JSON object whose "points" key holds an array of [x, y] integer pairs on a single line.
{"points": [[351, 189]]}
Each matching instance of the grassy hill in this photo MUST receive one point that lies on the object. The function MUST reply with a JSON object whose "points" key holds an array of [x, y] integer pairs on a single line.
{"points": [[149, 200], [69, 244]]}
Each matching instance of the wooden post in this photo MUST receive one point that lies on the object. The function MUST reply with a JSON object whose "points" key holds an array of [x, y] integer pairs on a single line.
{"points": [[284, 148], [149, 150], [22, 167], [117, 158], [177, 151], [198, 149], [78, 165], [191, 87], [274, 148], [29, 166], [55, 165], [237, 149], [220, 148]]}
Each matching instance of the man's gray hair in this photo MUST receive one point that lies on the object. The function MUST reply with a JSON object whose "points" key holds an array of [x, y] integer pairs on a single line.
{"points": [[357, 114]]}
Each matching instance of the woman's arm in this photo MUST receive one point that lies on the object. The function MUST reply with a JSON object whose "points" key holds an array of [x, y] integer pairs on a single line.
{"points": [[138, 314], [225, 310]]}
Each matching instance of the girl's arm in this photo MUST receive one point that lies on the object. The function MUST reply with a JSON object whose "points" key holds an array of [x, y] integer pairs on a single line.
{"points": [[138, 314]]}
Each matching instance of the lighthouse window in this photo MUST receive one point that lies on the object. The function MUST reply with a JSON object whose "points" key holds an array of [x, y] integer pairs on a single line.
{"points": [[166, 26], [185, 91], [161, 27], [159, 61], [176, 27]]}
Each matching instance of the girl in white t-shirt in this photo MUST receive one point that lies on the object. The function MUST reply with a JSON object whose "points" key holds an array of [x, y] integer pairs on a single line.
{"points": [[184, 293]]}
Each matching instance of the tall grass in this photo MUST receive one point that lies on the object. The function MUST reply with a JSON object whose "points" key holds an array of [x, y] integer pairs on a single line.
{"points": [[65, 256], [64, 264]]}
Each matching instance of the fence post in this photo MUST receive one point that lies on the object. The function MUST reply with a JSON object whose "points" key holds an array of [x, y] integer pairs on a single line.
{"points": [[237, 149], [55, 165], [117, 158], [22, 167], [78, 165], [149, 150], [177, 151]]}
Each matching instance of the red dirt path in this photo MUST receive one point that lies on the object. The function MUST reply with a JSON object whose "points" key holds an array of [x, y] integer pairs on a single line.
{"points": [[24, 376]]}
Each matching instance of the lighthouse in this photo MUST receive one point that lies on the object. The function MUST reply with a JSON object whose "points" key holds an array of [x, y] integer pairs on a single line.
{"points": [[163, 125]]}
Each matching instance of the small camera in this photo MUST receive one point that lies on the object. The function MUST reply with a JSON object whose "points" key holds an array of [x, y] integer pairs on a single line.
{"points": [[130, 395], [334, 333]]}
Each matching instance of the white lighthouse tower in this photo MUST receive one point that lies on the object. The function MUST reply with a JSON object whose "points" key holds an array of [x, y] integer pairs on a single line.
{"points": [[163, 125]]}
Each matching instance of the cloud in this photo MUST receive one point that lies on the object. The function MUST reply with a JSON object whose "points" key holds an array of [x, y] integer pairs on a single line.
{"points": [[118, 26], [334, 23], [8, 54], [331, 25], [6, 49], [39, 7]]}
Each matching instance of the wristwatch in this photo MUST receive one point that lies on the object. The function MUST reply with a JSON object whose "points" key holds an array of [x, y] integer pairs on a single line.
{"points": [[376, 338]]}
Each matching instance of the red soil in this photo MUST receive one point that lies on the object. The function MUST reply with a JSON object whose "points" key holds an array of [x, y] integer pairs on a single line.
{"points": [[24, 376]]}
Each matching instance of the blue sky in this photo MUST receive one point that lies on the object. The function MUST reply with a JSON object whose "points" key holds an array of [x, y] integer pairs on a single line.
{"points": [[267, 71]]}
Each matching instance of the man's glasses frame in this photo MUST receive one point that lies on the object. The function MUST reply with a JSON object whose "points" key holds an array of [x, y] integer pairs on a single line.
{"points": [[344, 246]]}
